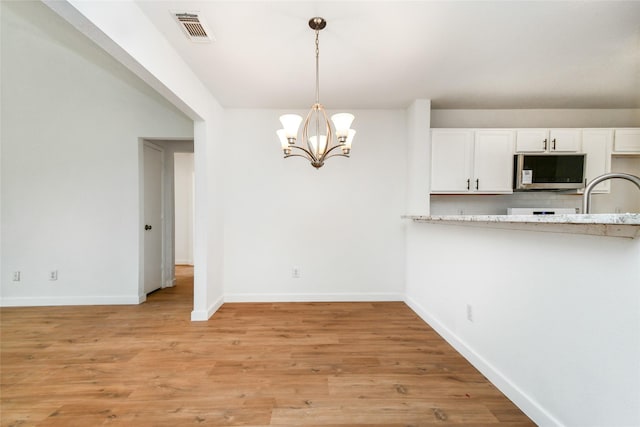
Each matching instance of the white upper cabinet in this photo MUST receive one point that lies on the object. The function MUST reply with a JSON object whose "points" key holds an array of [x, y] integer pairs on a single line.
{"points": [[493, 161], [547, 140], [626, 141], [596, 144], [532, 140], [467, 161], [451, 151], [564, 140]]}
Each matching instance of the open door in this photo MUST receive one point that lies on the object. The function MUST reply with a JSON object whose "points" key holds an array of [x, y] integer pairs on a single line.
{"points": [[153, 218]]}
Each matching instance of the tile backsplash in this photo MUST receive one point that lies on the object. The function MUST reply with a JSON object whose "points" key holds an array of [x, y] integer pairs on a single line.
{"points": [[498, 204]]}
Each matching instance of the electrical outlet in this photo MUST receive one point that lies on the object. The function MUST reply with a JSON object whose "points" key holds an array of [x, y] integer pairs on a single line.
{"points": [[295, 272], [469, 313], [53, 275], [16, 276]]}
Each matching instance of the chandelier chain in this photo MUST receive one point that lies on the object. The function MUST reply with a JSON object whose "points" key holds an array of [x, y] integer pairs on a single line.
{"points": [[317, 115], [317, 67]]}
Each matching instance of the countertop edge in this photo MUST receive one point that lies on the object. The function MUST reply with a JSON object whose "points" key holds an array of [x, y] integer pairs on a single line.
{"points": [[611, 225]]}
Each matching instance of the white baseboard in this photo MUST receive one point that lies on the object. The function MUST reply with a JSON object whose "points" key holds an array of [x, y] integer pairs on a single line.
{"points": [[58, 301], [204, 315], [355, 297], [523, 401], [183, 262]]}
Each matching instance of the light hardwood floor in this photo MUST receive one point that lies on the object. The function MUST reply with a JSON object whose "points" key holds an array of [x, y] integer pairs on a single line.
{"points": [[251, 364]]}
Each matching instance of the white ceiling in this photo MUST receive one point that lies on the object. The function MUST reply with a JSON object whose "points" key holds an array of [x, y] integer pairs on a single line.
{"points": [[384, 54]]}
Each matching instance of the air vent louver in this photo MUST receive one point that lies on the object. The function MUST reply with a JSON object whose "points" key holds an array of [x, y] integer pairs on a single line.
{"points": [[193, 27]]}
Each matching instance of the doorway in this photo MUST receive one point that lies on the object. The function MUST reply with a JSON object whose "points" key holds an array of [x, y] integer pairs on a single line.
{"points": [[162, 214], [184, 208]]}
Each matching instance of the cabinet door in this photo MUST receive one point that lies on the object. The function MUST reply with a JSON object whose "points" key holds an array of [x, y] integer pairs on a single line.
{"points": [[596, 144], [493, 161], [567, 140], [532, 140], [451, 152], [627, 141]]}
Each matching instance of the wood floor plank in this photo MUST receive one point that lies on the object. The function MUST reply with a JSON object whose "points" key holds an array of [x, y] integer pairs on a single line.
{"points": [[324, 364], [386, 411]]}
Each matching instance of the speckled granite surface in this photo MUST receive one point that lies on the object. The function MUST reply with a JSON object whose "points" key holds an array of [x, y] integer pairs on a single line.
{"points": [[613, 225]]}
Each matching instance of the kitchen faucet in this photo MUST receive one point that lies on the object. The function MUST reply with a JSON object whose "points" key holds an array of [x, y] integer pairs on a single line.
{"points": [[586, 198]]}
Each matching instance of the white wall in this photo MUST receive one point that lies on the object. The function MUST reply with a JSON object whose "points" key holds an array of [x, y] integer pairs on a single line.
{"points": [[340, 225], [183, 179], [418, 178], [71, 119], [556, 317]]}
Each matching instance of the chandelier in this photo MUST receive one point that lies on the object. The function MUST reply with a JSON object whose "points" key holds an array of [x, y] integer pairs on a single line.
{"points": [[317, 133]]}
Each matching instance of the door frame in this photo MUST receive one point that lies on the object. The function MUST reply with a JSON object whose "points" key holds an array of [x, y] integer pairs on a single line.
{"points": [[169, 146], [142, 142]]}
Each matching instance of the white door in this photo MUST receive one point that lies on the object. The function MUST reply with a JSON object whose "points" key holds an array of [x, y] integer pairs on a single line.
{"points": [[153, 173]]}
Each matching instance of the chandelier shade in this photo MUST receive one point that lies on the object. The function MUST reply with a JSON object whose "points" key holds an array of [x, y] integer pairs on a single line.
{"points": [[342, 123], [320, 140], [290, 124]]}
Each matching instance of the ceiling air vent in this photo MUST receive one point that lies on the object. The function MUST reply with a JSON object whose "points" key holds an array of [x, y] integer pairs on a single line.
{"points": [[193, 26]]}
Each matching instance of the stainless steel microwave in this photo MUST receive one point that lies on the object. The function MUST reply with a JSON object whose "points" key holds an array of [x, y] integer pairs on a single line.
{"points": [[548, 171]]}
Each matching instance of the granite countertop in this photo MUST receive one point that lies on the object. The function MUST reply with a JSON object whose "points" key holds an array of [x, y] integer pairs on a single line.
{"points": [[613, 225]]}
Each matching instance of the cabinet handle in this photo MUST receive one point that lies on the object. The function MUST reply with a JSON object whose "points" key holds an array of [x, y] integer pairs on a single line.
{"points": [[478, 184], [468, 184], [545, 144], [554, 143]]}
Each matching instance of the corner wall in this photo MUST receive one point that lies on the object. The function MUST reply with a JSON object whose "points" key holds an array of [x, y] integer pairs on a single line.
{"points": [[122, 30], [71, 119]]}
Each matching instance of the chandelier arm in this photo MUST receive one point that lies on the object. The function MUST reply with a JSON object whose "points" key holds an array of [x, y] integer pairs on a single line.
{"points": [[336, 155], [329, 133], [297, 155], [305, 130], [307, 152], [330, 150]]}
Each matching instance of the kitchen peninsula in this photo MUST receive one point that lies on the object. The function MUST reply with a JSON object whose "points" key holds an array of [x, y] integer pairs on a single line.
{"points": [[545, 306]]}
